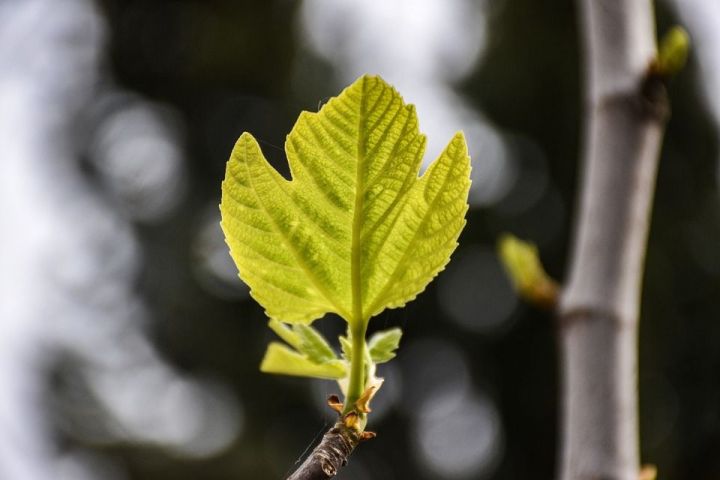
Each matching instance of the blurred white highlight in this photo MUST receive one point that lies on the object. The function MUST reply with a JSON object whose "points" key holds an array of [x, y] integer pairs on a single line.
{"points": [[458, 436], [70, 259], [137, 153], [456, 428], [422, 47]]}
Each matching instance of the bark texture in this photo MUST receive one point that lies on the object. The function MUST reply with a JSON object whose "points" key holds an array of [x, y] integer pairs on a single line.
{"points": [[330, 455], [626, 111]]}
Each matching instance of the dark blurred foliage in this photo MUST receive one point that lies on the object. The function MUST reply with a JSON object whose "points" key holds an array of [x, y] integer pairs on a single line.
{"points": [[233, 66]]}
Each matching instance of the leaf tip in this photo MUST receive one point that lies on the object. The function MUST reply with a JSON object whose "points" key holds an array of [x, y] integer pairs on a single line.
{"points": [[246, 137], [244, 140]]}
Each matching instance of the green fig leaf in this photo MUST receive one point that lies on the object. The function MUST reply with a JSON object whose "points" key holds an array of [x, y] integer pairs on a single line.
{"points": [[355, 231], [382, 345], [280, 359], [313, 345]]}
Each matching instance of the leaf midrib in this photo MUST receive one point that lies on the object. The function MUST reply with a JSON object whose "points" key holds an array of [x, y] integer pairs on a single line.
{"points": [[355, 247]]}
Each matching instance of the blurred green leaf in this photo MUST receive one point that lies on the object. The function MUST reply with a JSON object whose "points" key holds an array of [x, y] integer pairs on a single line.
{"points": [[673, 51], [522, 264]]}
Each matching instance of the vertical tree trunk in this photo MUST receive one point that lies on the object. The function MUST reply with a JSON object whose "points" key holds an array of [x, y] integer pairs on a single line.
{"points": [[625, 116]]}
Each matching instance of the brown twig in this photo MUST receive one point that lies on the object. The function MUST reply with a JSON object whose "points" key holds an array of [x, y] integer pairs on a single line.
{"points": [[330, 455], [338, 443]]}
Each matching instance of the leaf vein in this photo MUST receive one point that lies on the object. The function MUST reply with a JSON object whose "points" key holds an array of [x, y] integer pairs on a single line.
{"points": [[409, 250], [301, 262]]}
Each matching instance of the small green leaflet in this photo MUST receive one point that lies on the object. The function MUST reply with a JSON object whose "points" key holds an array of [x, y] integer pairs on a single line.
{"points": [[285, 332], [313, 345], [283, 360], [356, 230], [346, 346], [383, 344], [311, 355]]}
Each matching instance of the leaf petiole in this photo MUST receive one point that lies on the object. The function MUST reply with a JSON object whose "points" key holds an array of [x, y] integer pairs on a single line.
{"points": [[358, 374]]}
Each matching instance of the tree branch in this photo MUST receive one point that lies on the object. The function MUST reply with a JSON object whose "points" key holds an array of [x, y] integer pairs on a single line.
{"points": [[331, 453], [626, 112]]}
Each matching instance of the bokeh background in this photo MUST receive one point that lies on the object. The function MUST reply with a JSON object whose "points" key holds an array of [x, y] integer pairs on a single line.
{"points": [[129, 349]]}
